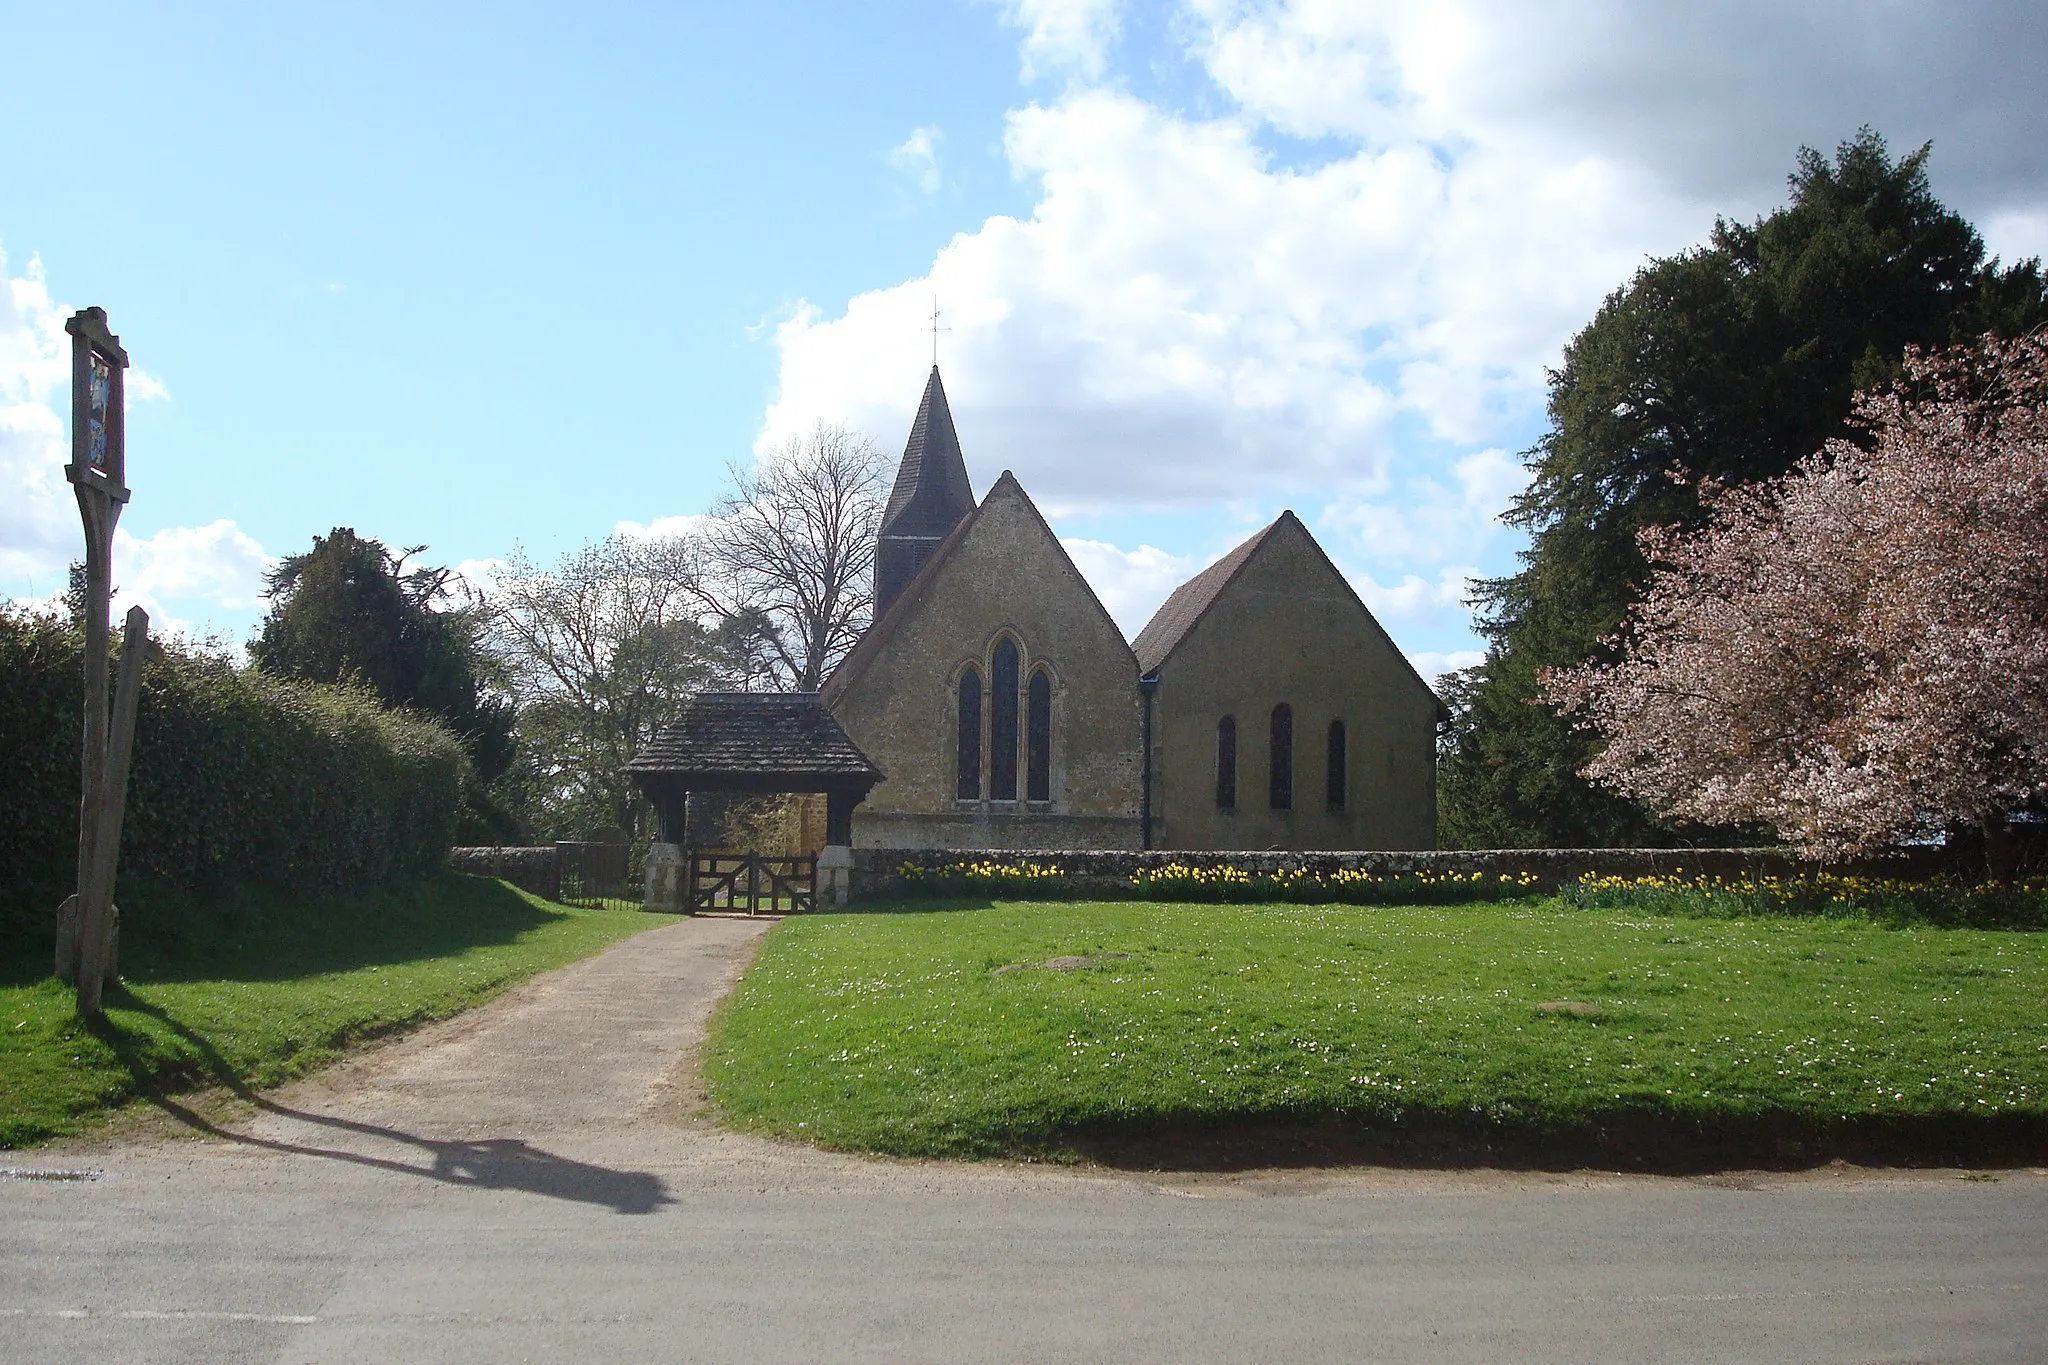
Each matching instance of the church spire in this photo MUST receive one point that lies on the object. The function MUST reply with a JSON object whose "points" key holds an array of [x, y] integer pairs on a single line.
{"points": [[930, 497]]}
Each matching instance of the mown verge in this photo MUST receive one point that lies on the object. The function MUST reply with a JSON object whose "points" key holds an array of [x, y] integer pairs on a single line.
{"points": [[1537, 1033], [261, 986]]}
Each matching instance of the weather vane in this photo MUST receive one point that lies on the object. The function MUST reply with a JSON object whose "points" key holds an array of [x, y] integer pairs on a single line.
{"points": [[936, 329]]}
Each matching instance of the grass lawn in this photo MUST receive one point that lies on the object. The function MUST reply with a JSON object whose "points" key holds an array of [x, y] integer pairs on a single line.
{"points": [[269, 992], [1378, 1029]]}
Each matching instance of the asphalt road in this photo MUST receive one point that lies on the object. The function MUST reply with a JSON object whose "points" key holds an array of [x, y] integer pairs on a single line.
{"points": [[533, 1182]]}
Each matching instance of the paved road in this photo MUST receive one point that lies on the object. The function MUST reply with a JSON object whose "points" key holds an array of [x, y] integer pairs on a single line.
{"points": [[531, 1182]]}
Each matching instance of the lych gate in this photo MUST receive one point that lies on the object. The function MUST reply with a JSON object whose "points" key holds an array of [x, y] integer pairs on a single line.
{"points": [[755, 743]]}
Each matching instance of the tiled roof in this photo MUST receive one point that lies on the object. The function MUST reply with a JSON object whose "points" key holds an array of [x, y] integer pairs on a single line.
{"points": [[787, 734], [1190, 601], [932, 493]]}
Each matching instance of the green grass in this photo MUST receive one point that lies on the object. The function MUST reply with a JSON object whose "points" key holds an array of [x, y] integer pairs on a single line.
{"points": [[892, 1032], [264, 990]]}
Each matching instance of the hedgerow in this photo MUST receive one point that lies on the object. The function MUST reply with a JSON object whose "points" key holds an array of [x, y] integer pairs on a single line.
{"points": [[237, 777]]}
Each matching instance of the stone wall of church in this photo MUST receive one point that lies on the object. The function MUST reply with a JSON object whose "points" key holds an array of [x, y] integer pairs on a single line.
{"points": [[1287, 629], [1006, 577]]}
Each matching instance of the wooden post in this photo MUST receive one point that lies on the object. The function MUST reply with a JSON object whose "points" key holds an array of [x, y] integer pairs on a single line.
{"points": [[98, 475], [96, 899]]}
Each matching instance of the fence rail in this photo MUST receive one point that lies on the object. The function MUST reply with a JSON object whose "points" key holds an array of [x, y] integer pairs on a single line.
{"points": [[597, 876]]}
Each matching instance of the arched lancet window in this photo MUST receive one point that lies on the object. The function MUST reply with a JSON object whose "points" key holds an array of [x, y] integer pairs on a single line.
{"points": [[1335, 782], [1002, 722], [1280, 766], [968, 738], [1038, 739], [1226, 763]]}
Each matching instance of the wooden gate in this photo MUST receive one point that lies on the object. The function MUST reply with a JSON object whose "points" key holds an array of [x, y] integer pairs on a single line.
{"points": [[749, 883]]}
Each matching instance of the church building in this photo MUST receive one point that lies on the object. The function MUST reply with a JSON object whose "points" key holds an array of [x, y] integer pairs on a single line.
{"points": [[1262, 707]]}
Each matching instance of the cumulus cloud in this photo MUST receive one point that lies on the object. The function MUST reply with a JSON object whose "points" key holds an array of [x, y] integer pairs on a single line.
{"points": [[1191, 311], [1432, 521], [1433, 664], [664, 528], [1416, 598], [38, 518], [1180, 319], [188, 577], [917, 157], [1064, 35], [1130, 583]]}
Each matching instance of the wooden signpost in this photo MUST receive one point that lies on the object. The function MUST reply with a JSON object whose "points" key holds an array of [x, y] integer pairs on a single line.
{"points": [[86, 924]]}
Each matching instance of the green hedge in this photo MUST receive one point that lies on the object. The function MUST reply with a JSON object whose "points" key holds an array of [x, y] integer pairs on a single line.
{"points": [[237, 777]]}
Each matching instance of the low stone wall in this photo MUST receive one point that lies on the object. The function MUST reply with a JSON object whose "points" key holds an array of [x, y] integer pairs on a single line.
{"points": [[878, 871], [530, 869]]}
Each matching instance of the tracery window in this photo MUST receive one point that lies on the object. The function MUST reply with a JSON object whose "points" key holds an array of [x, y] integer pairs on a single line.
{"points": [[968, 738], [1226, 763], [1335, 782], [1038, 738], [1002, 722], [1280, 766]]}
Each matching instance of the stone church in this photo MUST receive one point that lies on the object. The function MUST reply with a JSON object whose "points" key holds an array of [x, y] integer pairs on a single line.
{"points": [[1262, 707]]}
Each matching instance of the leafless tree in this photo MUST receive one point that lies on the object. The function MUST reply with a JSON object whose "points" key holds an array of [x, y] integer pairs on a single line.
{"points": [[789, 554], [600, 650]]}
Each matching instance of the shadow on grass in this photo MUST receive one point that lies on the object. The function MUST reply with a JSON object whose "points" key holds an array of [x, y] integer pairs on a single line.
{"points": [[489, 1163], [171, 935], [1647, 1141]]}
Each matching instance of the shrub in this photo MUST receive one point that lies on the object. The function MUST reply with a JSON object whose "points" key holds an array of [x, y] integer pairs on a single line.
{"points": [[236, 777]]}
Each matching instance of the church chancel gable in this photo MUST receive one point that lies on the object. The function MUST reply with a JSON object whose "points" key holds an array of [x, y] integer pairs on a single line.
{"points": [[1008, 710]]}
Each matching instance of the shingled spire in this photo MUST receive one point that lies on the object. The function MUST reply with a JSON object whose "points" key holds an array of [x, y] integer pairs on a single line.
{"points": [[931, 496]]}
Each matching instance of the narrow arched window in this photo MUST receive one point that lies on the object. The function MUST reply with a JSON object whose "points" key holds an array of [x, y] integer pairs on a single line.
{"points": [[1280, 764], [967, 738], [1038, 739], [1335, 781], [1002, 723], [1226, 763]]}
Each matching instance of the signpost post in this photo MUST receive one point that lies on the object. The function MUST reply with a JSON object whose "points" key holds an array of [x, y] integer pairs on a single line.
{"points": [[98, 475]]}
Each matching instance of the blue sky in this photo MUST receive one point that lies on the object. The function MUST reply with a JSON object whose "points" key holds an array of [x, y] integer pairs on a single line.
{"points": [[486, 277]]}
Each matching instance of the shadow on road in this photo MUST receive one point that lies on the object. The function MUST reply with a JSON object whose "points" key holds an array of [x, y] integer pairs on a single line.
{"points": [[489, 1163]]}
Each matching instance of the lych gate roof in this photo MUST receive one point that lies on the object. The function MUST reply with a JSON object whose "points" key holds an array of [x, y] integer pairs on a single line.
{"points": [[753, 735], [1190, 602]]}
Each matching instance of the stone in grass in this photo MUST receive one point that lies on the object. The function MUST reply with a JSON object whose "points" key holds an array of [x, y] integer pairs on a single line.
{"points": [[1581, 1008]]}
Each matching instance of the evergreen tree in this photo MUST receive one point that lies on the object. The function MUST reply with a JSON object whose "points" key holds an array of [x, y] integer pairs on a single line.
{"points": [[348, 610], [1728, 362]]}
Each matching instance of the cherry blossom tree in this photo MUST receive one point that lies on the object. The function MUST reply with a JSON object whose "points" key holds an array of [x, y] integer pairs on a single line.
{"points": [[1856, 654]]}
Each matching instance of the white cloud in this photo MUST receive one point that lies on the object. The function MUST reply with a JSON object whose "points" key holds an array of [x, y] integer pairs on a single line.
{"points": [[1064, 35], [1179, 319], [1432, 523], [141, 386], [186, 577], [917, 156], [664, 528], [38, 517], [1433, 664], [1712, 96], [472, 579], [1417, 598], [1130, 583], [189, 577], [1196, 309]]}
